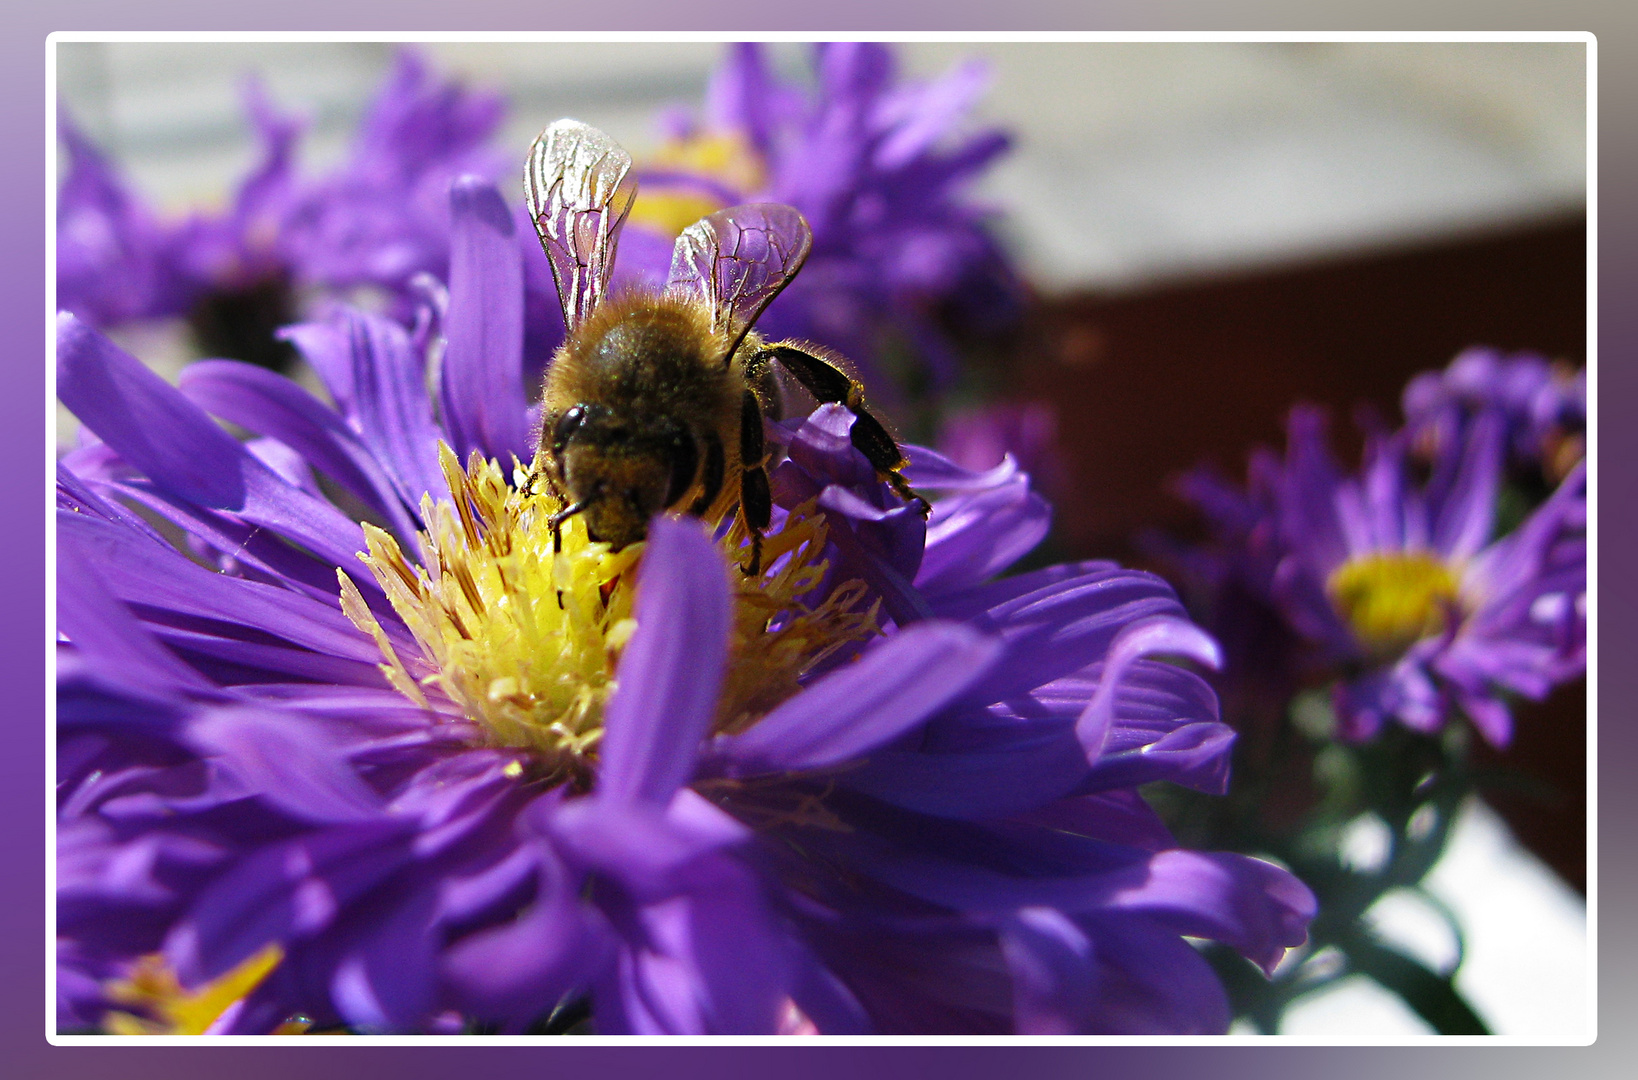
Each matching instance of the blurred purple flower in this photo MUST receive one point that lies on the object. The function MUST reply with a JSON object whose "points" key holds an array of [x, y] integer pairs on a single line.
{"points": [[902, 255], [374, 223], [900, 248], [1402, 587], [935, 829], [1543, 406], [382, 217], [981, 437]]}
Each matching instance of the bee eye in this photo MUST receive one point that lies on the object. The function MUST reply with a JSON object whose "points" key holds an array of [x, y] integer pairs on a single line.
{"points": [[685, 460], [566, 426]]}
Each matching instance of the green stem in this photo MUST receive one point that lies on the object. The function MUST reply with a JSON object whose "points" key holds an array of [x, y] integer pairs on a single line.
{"points": [[1434, 997]]}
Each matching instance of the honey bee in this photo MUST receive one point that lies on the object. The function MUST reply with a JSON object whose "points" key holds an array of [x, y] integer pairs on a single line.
{"points": [[656, 400]]}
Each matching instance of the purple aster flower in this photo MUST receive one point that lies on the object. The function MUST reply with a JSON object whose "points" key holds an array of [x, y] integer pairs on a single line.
{"points": [[1543, 406], [1402, 586], [483, 781], [373, 224], [900, 249]]}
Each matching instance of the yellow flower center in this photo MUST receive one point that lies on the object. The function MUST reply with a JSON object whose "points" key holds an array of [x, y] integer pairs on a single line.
{"points": [[724, 157], [526, 640], [164, 1007], [1394, 599]]}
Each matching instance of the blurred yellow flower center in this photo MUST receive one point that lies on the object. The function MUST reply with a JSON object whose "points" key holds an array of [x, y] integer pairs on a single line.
{"points": [[728, 158], [164, 1007], [526, 640], [1393, 599]]}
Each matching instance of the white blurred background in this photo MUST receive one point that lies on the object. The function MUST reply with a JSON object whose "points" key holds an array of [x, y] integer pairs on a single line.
{"points": [[1135, 165]]}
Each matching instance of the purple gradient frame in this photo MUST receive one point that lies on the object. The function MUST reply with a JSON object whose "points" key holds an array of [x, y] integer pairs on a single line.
{"points": [[23, 1048]]}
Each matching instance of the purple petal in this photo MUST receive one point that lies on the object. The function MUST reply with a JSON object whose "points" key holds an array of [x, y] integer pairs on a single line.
{"points": [[1490, 715], [108, 634], [394, 413], [469, 894], [1511, 564], [111, 263], [162, 579], [1027, 769], [461, 800], [1384, 498], [272, 405], [1152, 982], [385, 982], [266, 186], [1147, 638], [235, 662], [483, 364], [237, 545], [520, 969], [1000, 762], [1053, 976], [1060, 628], [826, 1000], [671, 671], [289, 465], [886, 692], [1467, 512], [979, 599], [931, 469], [181, 449], [710, 961], [855, 71], [973, 537], [930, 113], [1252, 906], [290, 762], [1194, 755], [646, 849], [287, 891], [1309, 494], [742, 96], [76, 496], [327, 348], [1120, 817]]}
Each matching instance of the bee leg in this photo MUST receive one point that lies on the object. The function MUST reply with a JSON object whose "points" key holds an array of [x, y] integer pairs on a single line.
{"points": [[755, 500], [828, 383], [760, 377], [555, 522]]}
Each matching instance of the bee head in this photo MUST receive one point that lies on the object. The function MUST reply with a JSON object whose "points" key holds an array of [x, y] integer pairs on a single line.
{"points": [[620, 473]]}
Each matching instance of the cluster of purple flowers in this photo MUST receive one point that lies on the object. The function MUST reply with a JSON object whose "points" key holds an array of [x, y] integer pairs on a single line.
{"points": [[1542, 405], [901, 253], [938, 829], [1396, 582], [373, 223], [876, 165]]}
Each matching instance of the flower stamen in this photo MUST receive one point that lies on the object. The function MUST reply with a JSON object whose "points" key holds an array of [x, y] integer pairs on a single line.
{"points": [[165, 1007], [525, 638], [1392, 599]]}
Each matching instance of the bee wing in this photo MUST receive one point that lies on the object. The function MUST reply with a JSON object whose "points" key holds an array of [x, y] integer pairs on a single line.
{"points": [[579, 188], [737, 260]]}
